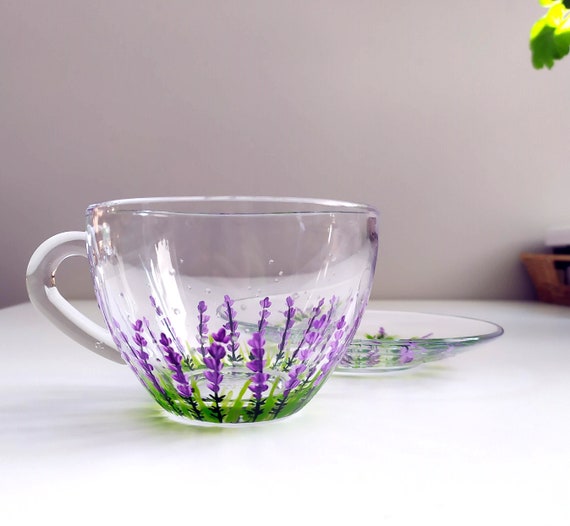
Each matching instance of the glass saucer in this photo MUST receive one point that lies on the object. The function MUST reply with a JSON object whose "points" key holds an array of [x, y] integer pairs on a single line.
{"points": [[395, 340]]}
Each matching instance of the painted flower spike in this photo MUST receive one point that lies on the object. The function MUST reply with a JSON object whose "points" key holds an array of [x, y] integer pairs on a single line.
{"points": [[214, 376]]}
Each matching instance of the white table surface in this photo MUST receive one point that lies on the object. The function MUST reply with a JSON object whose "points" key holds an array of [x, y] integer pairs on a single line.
{"points": [[480, 438]]}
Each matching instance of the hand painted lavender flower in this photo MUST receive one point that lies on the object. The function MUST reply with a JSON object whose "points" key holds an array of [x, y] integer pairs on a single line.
{"points": [[174, 360], [313, 338], [165, 320], [258, 380], [214, 360], [289, 321], [318, 307], [316, 312], [203, 319], [322, 326], [116, 340], [263, 314], [147, 326], [332, 355], [156, 307], [125, 340], [293, 381], [141, 355], [256, 361], [373, 357], [333, 303], [124, 355], [231, 326], [408, 352]]}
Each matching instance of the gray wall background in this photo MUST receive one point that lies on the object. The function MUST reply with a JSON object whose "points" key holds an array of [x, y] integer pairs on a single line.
{"points": [[429, 110]]}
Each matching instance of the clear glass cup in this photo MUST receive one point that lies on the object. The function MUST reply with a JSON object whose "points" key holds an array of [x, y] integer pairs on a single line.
{"points": [[229, 310]]}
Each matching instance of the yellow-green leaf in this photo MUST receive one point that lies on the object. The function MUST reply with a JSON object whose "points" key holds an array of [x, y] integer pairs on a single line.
{"points": [[550, 36]]}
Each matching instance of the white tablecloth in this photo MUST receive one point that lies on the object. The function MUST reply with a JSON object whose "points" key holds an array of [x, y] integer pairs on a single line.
{"points": [[480, 438]]}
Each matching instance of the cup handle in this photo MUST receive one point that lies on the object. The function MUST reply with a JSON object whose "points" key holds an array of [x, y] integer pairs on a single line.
{"points": [[43, 293]]}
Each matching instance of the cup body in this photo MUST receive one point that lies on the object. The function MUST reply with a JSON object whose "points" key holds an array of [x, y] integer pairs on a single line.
{"points": [[231, 310]]}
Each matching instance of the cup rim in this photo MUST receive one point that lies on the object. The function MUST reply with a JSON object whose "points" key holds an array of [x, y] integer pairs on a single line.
{"points": [[148, 205]]}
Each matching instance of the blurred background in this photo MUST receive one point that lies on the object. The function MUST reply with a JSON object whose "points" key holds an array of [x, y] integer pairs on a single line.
{"points": [[431, 111]]}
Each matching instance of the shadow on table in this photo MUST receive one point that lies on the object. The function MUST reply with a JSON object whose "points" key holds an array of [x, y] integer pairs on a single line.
{"points": [[53, 418]]}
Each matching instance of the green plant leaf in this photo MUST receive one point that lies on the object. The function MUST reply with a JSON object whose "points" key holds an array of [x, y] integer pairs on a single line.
{"points": [[550, 36]]}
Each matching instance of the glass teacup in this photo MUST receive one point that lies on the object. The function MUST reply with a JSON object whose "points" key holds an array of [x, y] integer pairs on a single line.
{"points": [[229, 310]]}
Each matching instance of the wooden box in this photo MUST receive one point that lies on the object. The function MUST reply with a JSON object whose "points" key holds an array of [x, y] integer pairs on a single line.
{"points": [[549, 276]]}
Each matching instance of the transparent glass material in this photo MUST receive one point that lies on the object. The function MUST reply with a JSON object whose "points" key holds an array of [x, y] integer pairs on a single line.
{"points": [[231, 310], [389, 341]]}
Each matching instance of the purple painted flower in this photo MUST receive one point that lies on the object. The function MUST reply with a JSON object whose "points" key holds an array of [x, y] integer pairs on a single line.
{"points": [[155, 305], [332, 355], [216, 352], [307, 336], [125, 355], [259, 384], [231, 326], [147, 325], [318, 307], [407, 353], [213, 361], [139, 351], [373, 357], [221, 336], [323, 324], [293, 379], [333, 301], [313, 338], [263, 314], [173, 360], [203, 319], [139, 340], [289, 321], [259, 379], [165, 320], [257, 351]]}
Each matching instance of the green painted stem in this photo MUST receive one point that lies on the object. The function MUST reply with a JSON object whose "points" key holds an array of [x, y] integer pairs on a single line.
{"points": [[234, 413]]}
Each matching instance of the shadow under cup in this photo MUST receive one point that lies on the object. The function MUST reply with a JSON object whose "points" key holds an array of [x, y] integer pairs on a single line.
{"points": [[231, 310]]}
